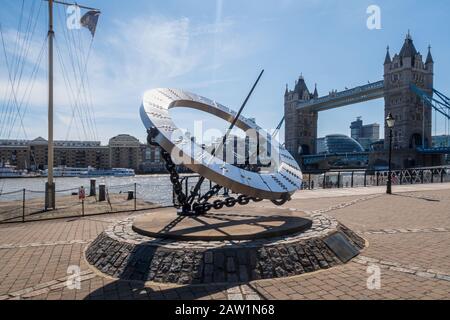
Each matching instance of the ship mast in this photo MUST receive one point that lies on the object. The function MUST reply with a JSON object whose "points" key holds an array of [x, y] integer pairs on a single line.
{"points": [[50, 202], [50, 185]]}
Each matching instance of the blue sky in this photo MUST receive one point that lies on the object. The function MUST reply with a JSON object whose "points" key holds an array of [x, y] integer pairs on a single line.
{"points": [[217, 48]]}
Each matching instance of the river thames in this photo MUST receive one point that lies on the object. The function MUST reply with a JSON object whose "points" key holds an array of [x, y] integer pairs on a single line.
{"points": [[153, 188]]}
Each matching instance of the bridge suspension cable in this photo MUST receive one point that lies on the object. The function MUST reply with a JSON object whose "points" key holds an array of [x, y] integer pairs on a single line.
{"points": [[440, 106], [443, 97]]}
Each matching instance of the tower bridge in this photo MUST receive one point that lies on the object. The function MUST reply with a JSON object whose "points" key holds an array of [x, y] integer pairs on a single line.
{"points": [[407, 90], [355, 95]]}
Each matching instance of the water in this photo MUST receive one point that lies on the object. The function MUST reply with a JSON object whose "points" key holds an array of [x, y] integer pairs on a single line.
{"points": [[155, 188]]}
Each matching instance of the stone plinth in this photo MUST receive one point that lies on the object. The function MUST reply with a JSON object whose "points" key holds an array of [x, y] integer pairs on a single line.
{"points": [[123, 253]]}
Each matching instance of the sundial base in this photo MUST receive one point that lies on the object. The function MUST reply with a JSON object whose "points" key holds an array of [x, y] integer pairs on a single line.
{"points": [[228, 224], [231, 246]]}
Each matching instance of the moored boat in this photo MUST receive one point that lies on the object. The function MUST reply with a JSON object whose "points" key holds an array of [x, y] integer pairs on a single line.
{"points": [[8, 171]]}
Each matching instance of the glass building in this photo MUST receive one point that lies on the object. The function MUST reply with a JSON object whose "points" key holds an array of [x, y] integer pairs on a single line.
{"points": [[338, 143]]}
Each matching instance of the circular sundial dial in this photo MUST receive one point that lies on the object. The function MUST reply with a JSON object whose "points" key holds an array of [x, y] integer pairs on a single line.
{"points": [[279, 181]]}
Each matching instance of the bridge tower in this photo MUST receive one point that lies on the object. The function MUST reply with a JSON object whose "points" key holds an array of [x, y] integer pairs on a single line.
{"points": [[413, 118], [301, 125]]}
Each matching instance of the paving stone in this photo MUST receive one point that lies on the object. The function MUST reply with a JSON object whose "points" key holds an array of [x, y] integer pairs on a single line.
{"points": [[419, 254], [235, 297], [252, 297], [443, 277], [425, 274]]}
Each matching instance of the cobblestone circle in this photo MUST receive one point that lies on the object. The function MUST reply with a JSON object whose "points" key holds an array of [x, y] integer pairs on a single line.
{"points": [[124, 254]]}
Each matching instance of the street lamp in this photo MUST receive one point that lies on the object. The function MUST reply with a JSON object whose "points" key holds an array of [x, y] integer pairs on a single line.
{"points": [[390, 123]]}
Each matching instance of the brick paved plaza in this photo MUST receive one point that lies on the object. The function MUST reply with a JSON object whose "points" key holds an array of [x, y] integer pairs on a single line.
{"points": [[408, 237]]}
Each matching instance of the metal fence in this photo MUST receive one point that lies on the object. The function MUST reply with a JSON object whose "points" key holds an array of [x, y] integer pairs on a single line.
{"points": [[370, 178], [156, 192], [356, 178], [28, 205]]}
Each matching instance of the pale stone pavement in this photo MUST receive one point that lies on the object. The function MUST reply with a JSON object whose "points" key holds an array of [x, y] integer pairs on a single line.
{"points": [[408, 235]]}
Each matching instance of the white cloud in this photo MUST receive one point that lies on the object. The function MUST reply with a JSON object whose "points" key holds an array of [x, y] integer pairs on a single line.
{"points": [[133, 56]]}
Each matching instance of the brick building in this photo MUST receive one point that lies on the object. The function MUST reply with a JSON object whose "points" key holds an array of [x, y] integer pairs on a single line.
{"points": [[123, 151]]}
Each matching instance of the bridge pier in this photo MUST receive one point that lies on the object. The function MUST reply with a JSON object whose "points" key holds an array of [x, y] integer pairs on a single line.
{"points": [[301, 124], [405, 159]]}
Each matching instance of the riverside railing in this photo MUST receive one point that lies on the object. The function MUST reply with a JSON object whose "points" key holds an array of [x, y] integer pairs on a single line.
{"points": [[370, 178], [26, 205], [356, 178]]}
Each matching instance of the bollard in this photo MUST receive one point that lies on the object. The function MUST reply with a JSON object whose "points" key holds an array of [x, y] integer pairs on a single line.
{"points": [[23, 205], [135, 196], [353, 175], [92, 190], [101, 192], [130, 195]]}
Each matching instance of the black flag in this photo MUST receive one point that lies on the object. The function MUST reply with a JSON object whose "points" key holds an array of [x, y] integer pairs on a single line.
{"points": [[89, 20]]}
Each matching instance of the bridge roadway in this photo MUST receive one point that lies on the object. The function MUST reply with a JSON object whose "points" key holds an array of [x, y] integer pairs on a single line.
{"points": [[437, 150], [355, 156], [358, 94]]}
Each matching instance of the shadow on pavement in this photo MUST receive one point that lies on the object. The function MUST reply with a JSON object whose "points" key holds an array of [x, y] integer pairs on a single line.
{"points": [[416, 197], [134, 290]]}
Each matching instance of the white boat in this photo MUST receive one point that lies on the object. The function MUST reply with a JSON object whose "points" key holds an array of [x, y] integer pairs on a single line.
{"points": [[90, 172], [115, 172], [67, 172], [8, 171]]}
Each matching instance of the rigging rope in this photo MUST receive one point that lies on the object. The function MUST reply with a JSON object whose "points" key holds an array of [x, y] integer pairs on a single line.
{"points": [[10, 78], [6, 107], [68, 84], [78, 64], [12, 67], [17, 70], [34, 70], [75, 108], [23, 70]]}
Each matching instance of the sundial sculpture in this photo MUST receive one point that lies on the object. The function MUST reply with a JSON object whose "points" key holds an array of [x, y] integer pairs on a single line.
{"points": [[284, 179], [228, 246]]}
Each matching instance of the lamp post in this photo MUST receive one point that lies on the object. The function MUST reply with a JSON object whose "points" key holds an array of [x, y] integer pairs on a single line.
{"points": [[390, 124]]}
